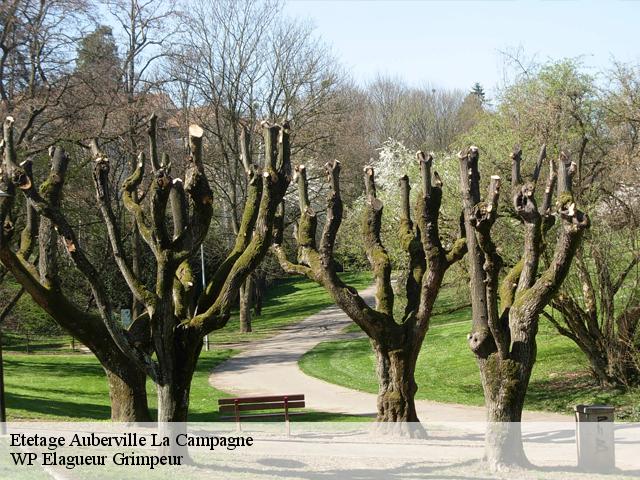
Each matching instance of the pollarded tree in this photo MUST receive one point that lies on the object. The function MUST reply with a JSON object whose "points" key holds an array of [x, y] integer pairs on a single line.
{"points": [[34, 263], [503, 337], [395, 341], [165, 341]]}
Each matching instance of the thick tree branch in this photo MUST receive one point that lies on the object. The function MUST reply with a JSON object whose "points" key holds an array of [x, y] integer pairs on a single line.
{"points": [[541, 158], [179, 207], [516, 159], [410, 241], [480, 339], [51, 191], [132, 203], [308, 223], [485, 214], [245, 149], [545, 208], [103, 195], [279, 251], [30, 230], [197, 187], [160, 189], [376, 253], [334, 213]]}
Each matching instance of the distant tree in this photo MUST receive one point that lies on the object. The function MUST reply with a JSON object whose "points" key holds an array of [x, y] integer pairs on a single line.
{"points": [[240, 61], [478, 91], [37, 44], [599, 306], [414, 116], [98, 54]]}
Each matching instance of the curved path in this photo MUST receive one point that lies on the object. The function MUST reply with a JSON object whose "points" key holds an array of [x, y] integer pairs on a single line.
{"points": [[270, 367]]}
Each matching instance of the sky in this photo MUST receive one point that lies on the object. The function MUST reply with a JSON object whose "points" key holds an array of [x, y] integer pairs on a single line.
{"points": [[457, 43]]}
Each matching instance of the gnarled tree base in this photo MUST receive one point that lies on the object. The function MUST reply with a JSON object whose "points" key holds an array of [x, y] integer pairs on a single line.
{"points": [[503, 447], [128, 395]]}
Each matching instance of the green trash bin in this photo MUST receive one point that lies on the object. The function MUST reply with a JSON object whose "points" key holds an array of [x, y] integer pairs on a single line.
{"points": [[595, 438]]}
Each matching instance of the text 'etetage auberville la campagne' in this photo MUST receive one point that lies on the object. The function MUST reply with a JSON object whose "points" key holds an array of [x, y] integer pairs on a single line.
{"points": [[40, 449]]}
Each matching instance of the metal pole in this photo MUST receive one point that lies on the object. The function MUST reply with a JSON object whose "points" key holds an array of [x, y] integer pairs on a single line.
{"points": [[3, 410], [204, 285]]}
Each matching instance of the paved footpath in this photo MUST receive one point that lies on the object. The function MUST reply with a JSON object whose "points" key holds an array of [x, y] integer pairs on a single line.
{"points": [[270, 367]]}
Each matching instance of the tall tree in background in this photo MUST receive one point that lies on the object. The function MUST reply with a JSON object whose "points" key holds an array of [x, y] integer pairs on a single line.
{"points": [[599, 306], [37, 43], [241, 61], [148, 28], [478, 91], [413, 116]]}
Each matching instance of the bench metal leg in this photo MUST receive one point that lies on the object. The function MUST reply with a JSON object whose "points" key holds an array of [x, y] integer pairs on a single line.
{"points": [[237, 414], [286, 416]]}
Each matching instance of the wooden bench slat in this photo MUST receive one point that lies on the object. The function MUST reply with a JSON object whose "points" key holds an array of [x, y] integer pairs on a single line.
{"points": [[246, 407], [261, 415], [265, 399]]}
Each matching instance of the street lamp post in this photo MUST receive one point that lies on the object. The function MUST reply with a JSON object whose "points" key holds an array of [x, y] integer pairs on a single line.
{"points": [[3, 410], [204, 285]]}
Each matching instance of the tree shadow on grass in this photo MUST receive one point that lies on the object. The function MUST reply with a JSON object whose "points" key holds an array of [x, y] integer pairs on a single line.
{"points": [[61, 408], [39, 367]]}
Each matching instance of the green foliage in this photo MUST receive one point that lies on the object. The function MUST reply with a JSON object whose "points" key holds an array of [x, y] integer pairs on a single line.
{"points": [[478, 91], [556, 105]]}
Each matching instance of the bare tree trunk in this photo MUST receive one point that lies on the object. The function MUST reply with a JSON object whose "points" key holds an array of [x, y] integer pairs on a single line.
{"points": [[259, 288], [505, 384], [175, 386], [503, 445], [128, 394], [246, 297], [397, 386]]}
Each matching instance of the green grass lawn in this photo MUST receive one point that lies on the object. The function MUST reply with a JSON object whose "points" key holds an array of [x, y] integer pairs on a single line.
{"points": [[60, 385], [74, 387], [287, 302], [447, 371]]}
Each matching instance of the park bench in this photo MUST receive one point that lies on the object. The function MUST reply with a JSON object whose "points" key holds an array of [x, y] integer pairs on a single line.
{"points": [[240, 407]]}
